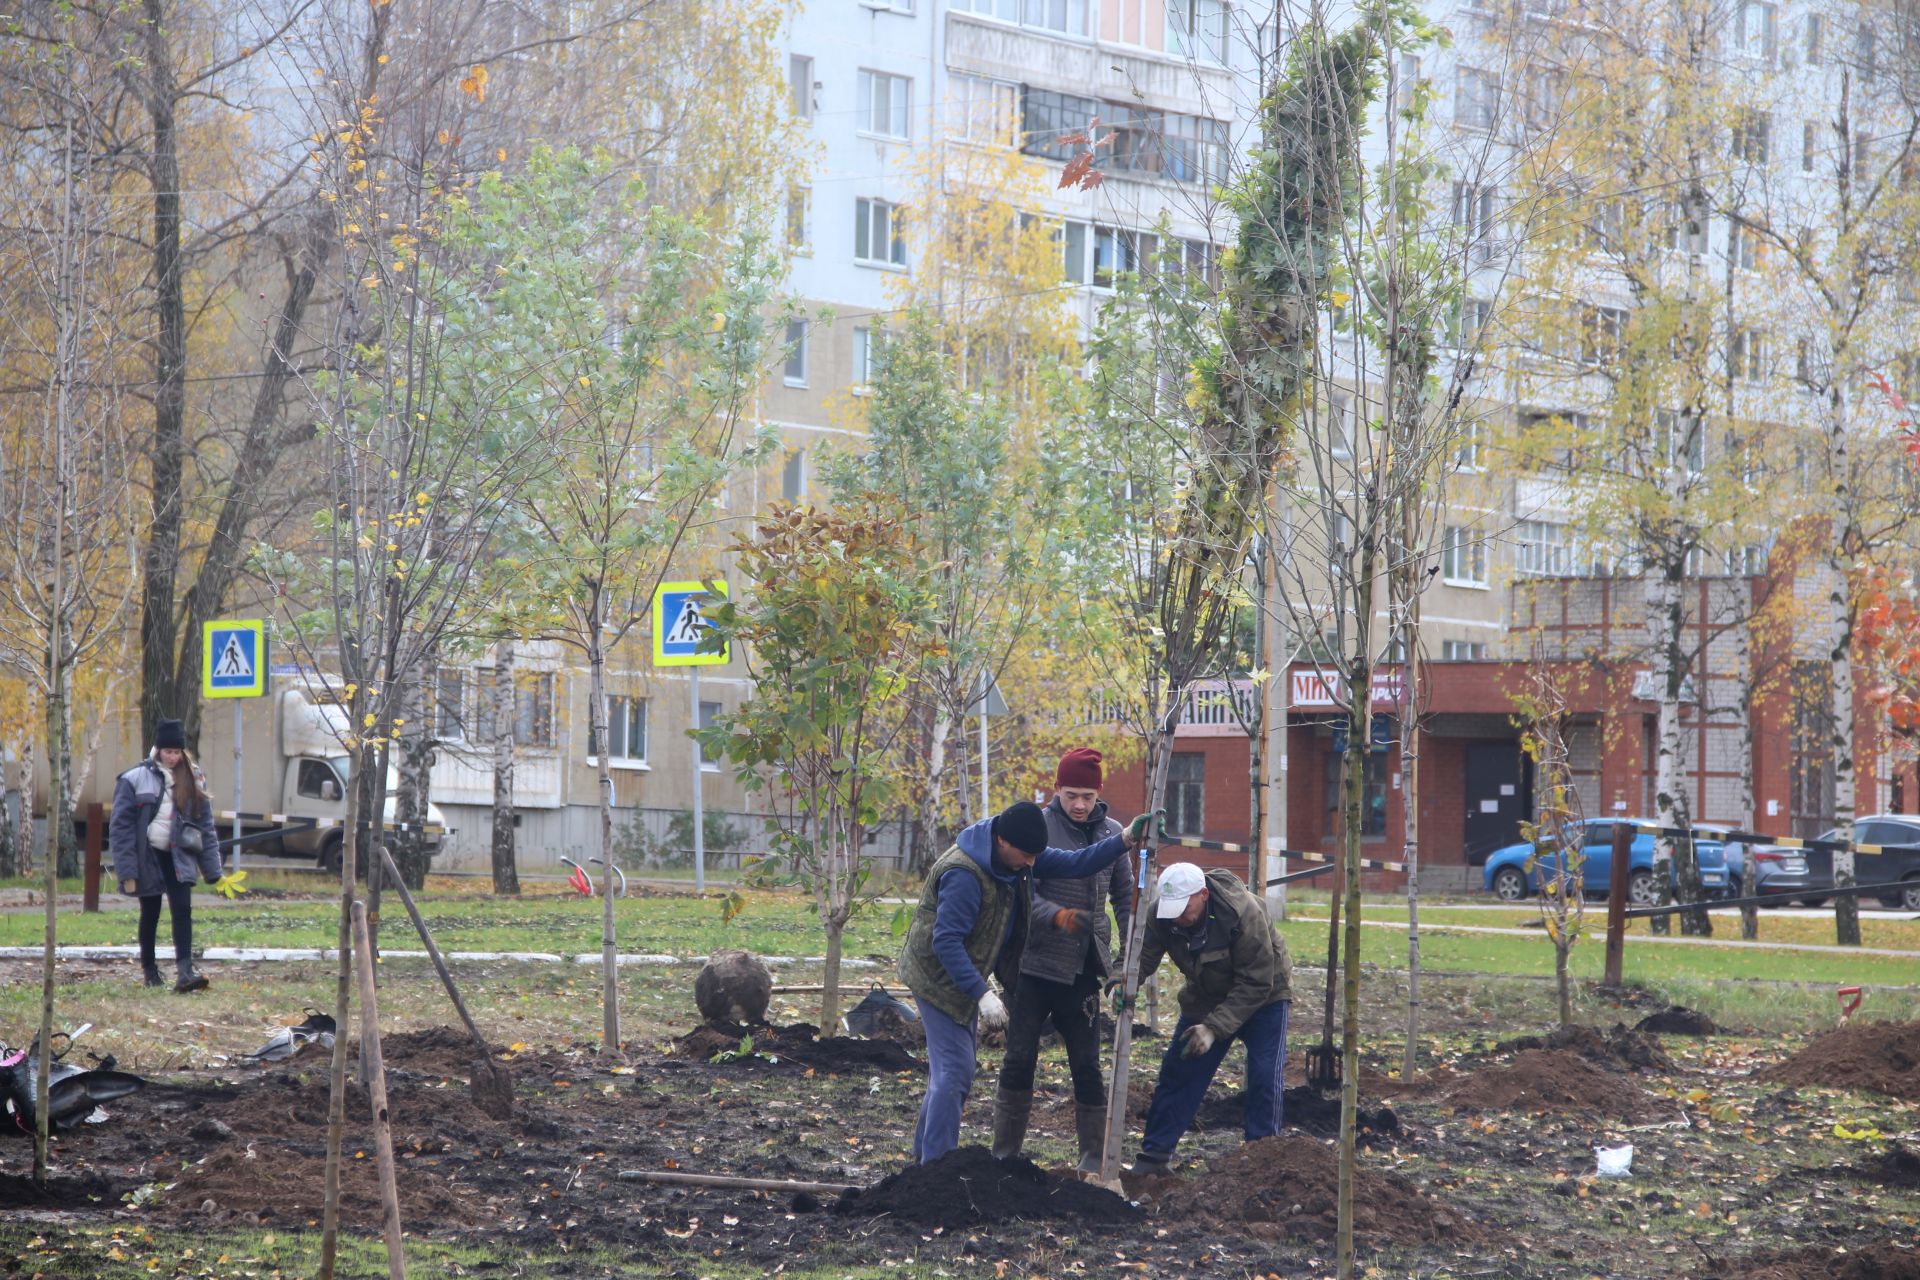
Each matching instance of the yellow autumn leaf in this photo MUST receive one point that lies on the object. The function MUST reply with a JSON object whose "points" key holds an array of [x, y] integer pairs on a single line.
{"points": [[474, 84]]}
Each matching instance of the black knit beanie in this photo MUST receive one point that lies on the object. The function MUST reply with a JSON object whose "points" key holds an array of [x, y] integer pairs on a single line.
{"points": [[170, 733], [1023, 826]]}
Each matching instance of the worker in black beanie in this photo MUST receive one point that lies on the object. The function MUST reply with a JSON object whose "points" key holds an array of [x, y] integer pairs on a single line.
{"points": [[970, 922]]}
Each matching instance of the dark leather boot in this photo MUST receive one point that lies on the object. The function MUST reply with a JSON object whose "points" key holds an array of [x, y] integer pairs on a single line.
{"points": [[189, 980], [1010, 1113], [1090, 1124], [150, 974]]}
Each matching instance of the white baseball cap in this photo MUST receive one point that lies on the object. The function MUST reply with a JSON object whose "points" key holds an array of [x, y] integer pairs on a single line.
{"points": [[1178, 882]]}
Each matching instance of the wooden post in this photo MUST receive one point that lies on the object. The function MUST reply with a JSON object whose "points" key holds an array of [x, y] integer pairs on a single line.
{"points": [[376, 1074], [1617, 902], [96, 845]]}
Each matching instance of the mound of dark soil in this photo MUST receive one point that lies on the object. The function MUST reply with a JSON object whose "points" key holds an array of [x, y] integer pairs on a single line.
{"points": [[63, 1191], [968, 1187], [1678, 1020], [437, 1051], [1287, 1187], [286, 1186], [1875, 1262], [1307, 1110], [1881, 1056], [1616, 1050], [797, 1046], [1549, 1080], [1895, 1167]]}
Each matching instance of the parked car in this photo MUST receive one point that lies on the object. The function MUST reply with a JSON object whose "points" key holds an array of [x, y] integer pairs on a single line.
{"points": [[1766, 870], [1899, 832], [1508, 877]]}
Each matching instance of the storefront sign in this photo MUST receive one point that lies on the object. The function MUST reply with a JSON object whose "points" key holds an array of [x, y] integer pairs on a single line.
{"points": [[1323, 688]]}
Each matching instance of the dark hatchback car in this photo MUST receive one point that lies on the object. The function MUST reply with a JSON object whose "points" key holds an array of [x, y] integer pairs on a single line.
{"points": [[1899, 833]]}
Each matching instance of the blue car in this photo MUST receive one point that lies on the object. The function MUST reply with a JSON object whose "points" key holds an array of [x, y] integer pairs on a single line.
{"points": [[1509, 878]]}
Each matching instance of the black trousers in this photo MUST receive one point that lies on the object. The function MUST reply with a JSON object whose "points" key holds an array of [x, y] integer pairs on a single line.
{"points": [[180, 899], [1073, 1007]]}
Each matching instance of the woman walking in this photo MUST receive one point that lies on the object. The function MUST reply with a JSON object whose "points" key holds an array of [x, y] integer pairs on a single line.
{"points": [[163, 843]]}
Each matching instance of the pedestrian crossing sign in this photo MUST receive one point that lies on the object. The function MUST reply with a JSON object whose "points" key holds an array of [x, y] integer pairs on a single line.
{"points": [[233, 659], [678, 623]]}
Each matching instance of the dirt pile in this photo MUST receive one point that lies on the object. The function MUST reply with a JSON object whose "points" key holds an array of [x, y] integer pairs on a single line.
{"points": [[1896, 1167], [1305, 1109], [1875, 1262], [63, 1191], [1678, 1020], [798, 1046], [1615, 1050], [1881, 1056], [1287, 1187], [968, 1187], [441, 1052], [1549, 1080]]}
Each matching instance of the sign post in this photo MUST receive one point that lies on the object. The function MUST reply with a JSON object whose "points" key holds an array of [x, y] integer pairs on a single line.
{"points": [[677, 627], [987, 701], [233, 664]]}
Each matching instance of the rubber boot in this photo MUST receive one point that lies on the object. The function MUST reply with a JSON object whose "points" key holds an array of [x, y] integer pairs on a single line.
{"points": [[1090, 1124], [150, 974], [1010, 1113], [189, 980]]}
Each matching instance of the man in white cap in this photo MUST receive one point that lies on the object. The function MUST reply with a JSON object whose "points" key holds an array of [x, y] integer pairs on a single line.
{"points": [[1239, 985]]}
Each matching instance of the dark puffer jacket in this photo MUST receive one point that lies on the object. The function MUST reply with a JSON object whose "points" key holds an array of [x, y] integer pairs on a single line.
{"points": [[136, 798], [1055, 954]]}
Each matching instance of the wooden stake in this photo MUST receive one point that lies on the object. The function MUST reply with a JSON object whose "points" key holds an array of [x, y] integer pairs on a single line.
{"points": [[376, 1073]]}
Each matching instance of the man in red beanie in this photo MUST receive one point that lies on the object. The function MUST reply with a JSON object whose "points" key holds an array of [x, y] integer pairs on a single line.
{"points": [[1067, 957]]}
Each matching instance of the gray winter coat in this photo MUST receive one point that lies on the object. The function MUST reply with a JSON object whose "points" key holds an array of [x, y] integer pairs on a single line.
{"points": [[136, 798], [1055, 954]]}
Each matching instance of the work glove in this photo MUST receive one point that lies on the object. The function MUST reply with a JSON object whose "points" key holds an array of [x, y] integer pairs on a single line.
{"points": [[230, 885], [1137, 830], [1199, 1041], [993, 1013], [1073, 920], [1117, 997]]}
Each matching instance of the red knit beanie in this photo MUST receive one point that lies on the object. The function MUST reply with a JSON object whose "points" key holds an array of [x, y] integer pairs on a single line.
{"points": [[1080, 767]]}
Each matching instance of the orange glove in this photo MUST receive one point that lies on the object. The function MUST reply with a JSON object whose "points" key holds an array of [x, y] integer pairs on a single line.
{"points": [[1072, 920]]}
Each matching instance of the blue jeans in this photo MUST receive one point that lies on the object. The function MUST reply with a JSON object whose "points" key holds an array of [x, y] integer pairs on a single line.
{"points": [[1183, 1081], [951, 1062]]}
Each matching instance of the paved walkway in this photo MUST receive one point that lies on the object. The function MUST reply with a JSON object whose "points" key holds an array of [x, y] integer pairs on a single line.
{"points": [[1671, 940]]}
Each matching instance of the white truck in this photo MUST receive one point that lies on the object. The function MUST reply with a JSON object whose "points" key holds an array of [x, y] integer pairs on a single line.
{"points": [[293, 775]]}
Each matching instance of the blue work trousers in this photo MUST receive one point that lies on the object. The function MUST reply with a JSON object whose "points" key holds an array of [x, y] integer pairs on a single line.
{"points": [[1183, 1082], [952, 1059]]}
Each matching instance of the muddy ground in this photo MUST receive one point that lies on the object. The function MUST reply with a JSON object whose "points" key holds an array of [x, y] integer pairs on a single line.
{"points": [[1483, 1166]]}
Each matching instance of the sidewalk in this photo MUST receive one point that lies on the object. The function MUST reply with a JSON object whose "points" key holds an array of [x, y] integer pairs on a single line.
{"points": [[1672, 940]]}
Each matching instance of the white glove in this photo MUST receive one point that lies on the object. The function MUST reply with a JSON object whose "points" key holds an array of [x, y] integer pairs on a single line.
{"points": [[993, 1013], [1199, 1041]]}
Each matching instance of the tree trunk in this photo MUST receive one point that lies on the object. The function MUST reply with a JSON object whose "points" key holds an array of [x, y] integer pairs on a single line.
{"points": [[1410, 809], [1561, 981], [926, 831], [9, 854], [836, 928], [1840, 616], [506, 876], [1749, 914], [415, 741], [1671, 859], [159, 698], [1352, 794], [597, 716], [23, 840], [342, 1000]]}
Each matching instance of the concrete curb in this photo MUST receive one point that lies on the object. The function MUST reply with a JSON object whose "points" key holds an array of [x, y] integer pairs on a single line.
{"points": [[274, 954]]}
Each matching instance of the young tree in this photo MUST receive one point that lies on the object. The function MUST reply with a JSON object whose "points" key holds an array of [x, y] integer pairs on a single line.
{"points": [[833, 616]]}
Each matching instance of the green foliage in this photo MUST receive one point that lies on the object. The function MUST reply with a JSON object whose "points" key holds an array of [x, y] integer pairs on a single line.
{"points": [[637, 847]]}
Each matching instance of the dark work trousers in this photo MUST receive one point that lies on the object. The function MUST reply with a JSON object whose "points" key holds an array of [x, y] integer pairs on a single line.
{"points": [[1073, 1006], [180, 898], [1183, 1082]]}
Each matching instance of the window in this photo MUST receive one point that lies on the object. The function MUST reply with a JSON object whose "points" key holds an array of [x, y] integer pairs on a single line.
{"points": [[1340, 424], [1809, 145], [484, 698], [877, 233], [1756, 30], [1476, 99], [626, 730], [799, 199], [1752, 137], [886, 104], [533, 709], [709, 712], [1408, 83], [1543, 548], [898, 6], [1117, 250], [1682, 442], [1200, 260], [1803, 364], [1748, 561], [1197, 29], [1471, 321], [796, 353], [1475, 207], [1863, 48], [1747, 353], [1745, 249], [1074, 251], [1862, 151], [1373, 787], [984, 111], [1814, 32], [868, 346], [1463, 650], [1005, 10], [450, 705], [1048, 119], [1687, 230], [1463, 558], [800, 80], [1466, 456], [316, 779], [1068, 17], [793, 476], [1603, 333], [1187, 792]]}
